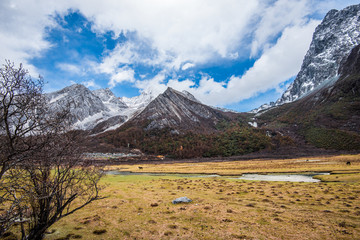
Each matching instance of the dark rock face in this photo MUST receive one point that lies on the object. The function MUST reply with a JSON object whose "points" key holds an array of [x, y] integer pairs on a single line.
{"points": [[351, 64], [332, 41], [177, 110]]}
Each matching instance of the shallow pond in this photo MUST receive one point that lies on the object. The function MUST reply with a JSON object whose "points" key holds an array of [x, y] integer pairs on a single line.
{"points": [[308, 177], [282, 177]]}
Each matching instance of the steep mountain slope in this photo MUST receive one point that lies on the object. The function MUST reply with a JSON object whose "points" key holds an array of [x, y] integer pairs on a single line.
{"points": [[328, 117], [332, 41], [178, 111]]}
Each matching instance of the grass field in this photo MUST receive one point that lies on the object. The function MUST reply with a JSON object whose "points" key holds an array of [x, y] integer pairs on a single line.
{"points": [[139, 207], [319, 164]]}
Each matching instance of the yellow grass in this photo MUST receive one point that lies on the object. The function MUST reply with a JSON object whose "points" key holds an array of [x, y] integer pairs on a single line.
{"points": [[139, 207], [323, 164]]}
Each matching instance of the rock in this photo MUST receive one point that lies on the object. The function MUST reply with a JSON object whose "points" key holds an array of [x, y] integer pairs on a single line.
{"points": [[182, 200]]}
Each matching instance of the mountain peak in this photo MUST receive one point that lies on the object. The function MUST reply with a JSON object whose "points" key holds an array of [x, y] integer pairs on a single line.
{"points": [[332, 42], [109, 99], [170, 89], [330, 14], [75, 87], [179, 111], [184, 93]]}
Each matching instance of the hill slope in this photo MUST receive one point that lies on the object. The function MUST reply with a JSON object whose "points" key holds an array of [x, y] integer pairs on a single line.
{"points": [[329, 116]]}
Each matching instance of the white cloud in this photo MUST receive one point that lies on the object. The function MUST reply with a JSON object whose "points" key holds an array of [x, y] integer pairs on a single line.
{"points": [[91, 83], [154, 85], [71, 68], [180, 34], [324, 6], [122, 54], [277, 64], [22, 29], [182, 30], [187, 66], [275, 18], [124, 74]]}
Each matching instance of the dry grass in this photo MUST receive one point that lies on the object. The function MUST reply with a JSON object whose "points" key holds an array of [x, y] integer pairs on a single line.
{"points": [[139, 207], [324, 164]]}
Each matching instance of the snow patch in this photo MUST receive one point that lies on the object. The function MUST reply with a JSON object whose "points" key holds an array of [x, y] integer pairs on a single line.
{"points": [[60, 96], [253, 124]]}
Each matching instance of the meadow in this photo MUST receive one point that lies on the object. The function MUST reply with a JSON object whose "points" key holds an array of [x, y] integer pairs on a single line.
{"points": [[139, 206]]}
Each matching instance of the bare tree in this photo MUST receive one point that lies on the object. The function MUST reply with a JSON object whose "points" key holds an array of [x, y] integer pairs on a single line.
{"points": [[21, 111], [41, 169], [51, 183]]}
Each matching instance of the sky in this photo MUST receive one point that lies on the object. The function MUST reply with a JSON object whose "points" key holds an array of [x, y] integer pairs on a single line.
{"points": [[236, 54]]}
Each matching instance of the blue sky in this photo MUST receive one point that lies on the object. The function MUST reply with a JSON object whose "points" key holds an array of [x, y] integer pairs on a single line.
{"points": [[236, 54]]}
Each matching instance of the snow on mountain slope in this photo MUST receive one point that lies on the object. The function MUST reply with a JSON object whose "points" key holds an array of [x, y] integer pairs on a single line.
{"points": [[137, 104], [88, 108], [82, 101], [113, 103], [333, 39], [139, 101]]}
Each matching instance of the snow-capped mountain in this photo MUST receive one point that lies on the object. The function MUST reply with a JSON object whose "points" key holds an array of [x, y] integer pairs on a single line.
{"points": [[109, 99], [100, 110], [89, 108], [333, 39], [84, 104], [327, 117], [139, 101]]}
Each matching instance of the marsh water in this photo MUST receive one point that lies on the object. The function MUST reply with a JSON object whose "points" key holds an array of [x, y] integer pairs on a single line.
{"points": [[282, 177]]}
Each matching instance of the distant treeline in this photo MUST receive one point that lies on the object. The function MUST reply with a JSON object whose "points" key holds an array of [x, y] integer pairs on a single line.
{"points": [[231, 138]]}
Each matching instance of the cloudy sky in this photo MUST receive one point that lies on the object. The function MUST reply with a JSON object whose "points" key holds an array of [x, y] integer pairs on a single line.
{"points": [[237, 54]]}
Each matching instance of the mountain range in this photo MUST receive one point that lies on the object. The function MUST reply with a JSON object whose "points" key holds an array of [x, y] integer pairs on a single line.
{"points": [[320, 108], [97, 110]]}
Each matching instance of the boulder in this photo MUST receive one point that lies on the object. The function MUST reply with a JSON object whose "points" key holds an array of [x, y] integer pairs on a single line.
{"points": [[182, 200]]}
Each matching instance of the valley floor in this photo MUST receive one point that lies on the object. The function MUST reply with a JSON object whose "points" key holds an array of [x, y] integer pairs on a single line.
{"points": [[139, 206]]}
